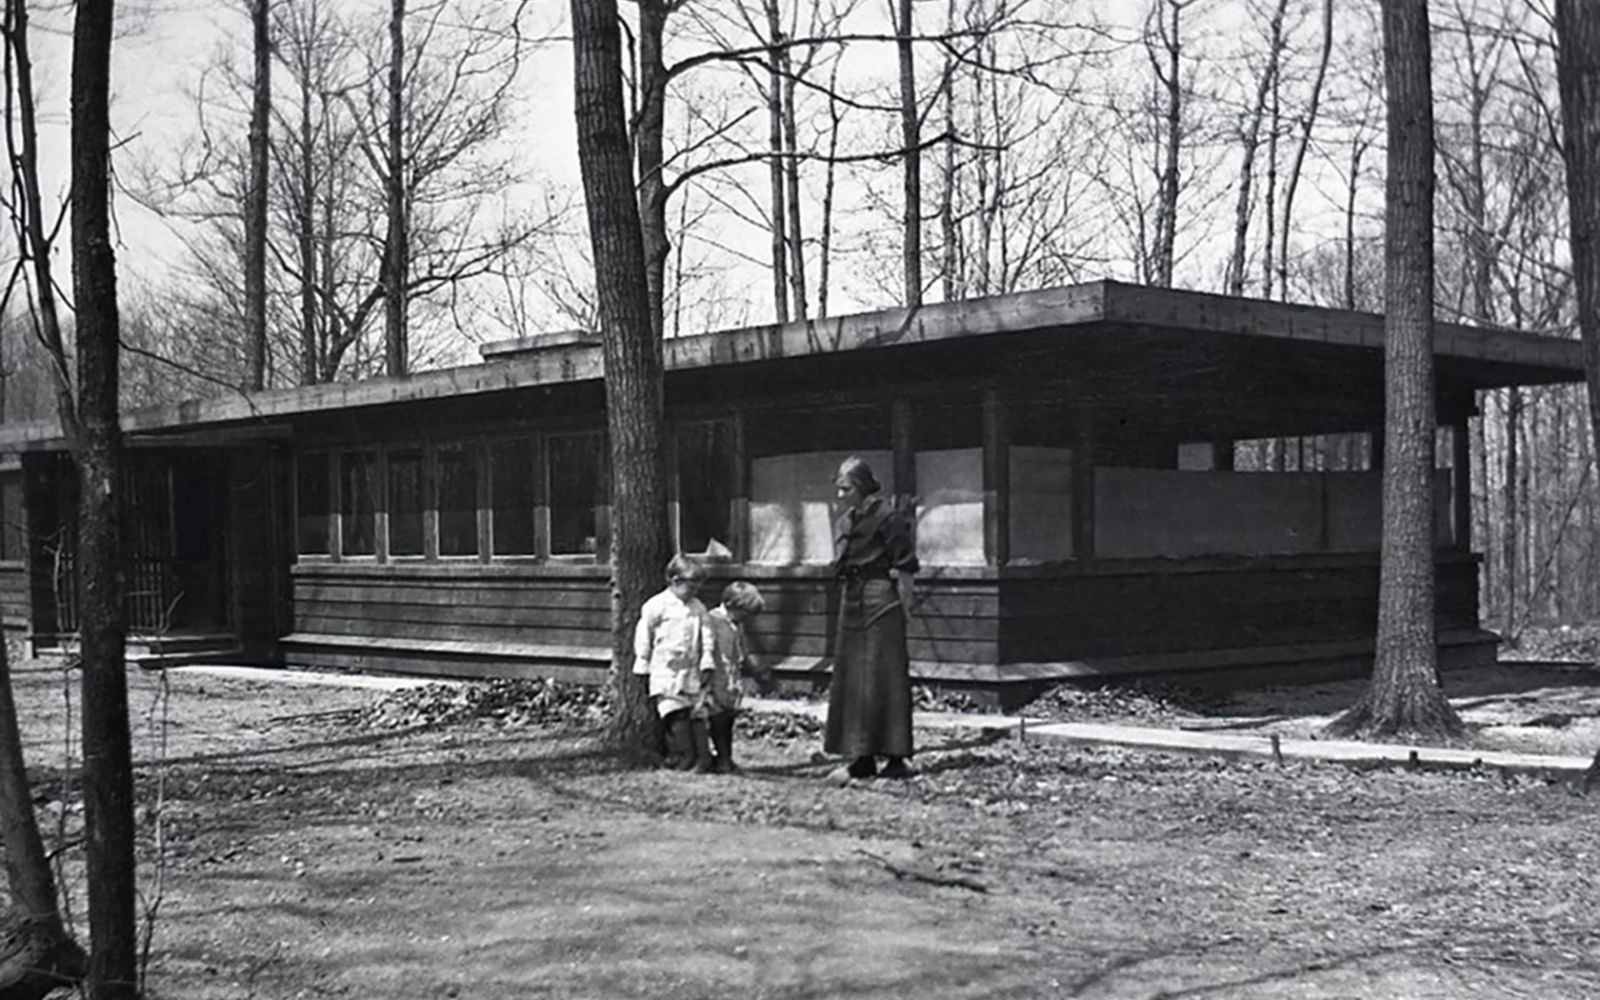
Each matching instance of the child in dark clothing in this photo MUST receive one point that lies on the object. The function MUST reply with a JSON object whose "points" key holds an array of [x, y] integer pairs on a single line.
{"points": [[741, 601]]}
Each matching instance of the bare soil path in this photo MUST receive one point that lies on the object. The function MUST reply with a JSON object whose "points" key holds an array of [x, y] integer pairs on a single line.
{"points": [[299, 843]]}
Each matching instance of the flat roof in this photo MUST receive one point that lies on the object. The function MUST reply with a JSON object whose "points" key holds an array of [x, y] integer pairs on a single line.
{"points": [[1492, 357]]}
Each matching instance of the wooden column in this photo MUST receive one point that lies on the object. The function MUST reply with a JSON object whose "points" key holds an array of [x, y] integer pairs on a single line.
{"points": [[1222, 455], [739, 516], [1083, 455], [541, 497], [996, 480], [669, 445], [1461, 483], [902, 433]]}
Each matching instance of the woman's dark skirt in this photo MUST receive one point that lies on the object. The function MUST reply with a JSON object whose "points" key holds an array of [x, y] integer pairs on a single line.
{"points": [[869, 698]]}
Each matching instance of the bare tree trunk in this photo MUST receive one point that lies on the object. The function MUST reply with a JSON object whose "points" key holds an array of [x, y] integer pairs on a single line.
{"points": [[40, 955], [255, 207], [306, 237], [397, 253], [1269, 201], [648, 141], [43, 958], [641, 542], [797, 230], [948, 231], [825, 247], [1251, 141], [1308, 122], [777, 171], [107, 757], [1578, 76], [1404, 695], [35, 237], [911, 140], [1171, 83]]}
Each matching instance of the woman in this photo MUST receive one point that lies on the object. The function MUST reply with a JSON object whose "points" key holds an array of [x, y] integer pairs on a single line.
{"points": [[869, 699]]}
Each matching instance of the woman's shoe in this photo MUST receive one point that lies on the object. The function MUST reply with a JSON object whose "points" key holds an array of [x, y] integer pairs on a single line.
{"points": [[863, 767], [896, 768]]}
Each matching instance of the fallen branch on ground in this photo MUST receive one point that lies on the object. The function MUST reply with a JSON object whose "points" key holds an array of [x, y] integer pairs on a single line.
{"points": [[919, 875]]}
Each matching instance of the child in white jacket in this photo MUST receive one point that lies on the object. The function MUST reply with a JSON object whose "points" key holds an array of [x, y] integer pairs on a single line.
{"points": [[673, 646]]}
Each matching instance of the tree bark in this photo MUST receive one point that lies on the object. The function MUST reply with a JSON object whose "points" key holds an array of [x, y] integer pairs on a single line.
{"points": [[652, 192], [107, 757], [1404, 694], [1578, 78], [633, 365], [775, 169], [1308, 123], [397, 253], [910, 138], [255, 207]]}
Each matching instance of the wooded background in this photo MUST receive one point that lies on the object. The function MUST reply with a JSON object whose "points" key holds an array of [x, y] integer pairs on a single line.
{"points": [[812, 159]]}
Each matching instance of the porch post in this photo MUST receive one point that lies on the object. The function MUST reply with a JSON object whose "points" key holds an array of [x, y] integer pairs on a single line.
{"points": [[1461, 483], [903, 434], [996, 480]]}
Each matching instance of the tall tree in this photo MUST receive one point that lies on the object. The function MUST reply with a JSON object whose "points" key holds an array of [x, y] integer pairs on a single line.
{"points": [[107, 755], [397, 251], [38, 955], [1578, 76], [255, 207], [641, 541], [1404, 694], [911, 153]]}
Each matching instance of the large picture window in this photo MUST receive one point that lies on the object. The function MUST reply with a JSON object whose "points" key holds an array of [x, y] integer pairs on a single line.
{"points": [[458, 499], [512, 497], [794, 455], [358, 513], [405, 502], [312, 504], [576, 490]]}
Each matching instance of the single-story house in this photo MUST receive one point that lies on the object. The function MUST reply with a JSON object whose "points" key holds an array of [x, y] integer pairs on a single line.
{"points": [[1070, 454]]}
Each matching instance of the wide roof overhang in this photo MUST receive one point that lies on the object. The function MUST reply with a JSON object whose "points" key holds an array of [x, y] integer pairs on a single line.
{"points": [[1275, 368]]}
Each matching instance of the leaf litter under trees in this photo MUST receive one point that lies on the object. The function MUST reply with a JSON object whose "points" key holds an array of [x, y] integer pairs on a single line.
{"points": [[303, 852]]}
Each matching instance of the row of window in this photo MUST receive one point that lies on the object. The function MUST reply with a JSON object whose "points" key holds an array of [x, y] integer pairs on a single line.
{"points": [[532, 496]]}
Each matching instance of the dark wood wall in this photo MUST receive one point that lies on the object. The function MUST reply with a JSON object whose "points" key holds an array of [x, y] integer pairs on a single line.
{"points": [[16, 600], [1138, 607]]}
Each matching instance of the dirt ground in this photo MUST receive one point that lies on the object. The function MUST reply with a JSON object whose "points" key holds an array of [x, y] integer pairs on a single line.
{"points": [[302, 841]]}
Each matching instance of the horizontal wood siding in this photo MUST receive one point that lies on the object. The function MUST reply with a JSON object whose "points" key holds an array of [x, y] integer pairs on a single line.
{"points": [[956, 621], [453, 604], [16, 601], [537, 607], [1185, 609]]}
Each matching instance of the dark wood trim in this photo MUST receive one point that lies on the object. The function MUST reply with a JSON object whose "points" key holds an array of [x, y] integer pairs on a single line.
{"points": [[903, 445], [996, 480], [1461, 483]]}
